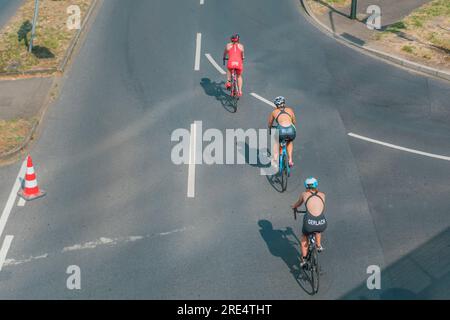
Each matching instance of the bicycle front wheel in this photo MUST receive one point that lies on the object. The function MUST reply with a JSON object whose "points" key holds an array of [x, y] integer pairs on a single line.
{"points": [[315, 271]]}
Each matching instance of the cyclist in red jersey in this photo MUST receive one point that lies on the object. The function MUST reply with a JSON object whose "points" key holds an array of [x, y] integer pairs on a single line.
{"points": [[235, 52]]}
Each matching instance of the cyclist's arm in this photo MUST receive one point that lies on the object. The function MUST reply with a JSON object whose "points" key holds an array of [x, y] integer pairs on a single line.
{"points": [[271, 119], [242, 52], [299, 202], [225, 52]]}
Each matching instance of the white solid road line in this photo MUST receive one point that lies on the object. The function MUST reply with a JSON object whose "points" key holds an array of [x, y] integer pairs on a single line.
{"points": [[262, 99], [192, 152], [12, 198], [198, 51], [4, 250], [393, 146], [214, 63]]}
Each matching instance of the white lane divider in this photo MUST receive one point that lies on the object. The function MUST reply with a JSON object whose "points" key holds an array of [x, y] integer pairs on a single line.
{"points": [[262, 99], [393, 146], [192, 159], [214, 63], [198, 50], [12, 197], [4, 250], [202, 2]]}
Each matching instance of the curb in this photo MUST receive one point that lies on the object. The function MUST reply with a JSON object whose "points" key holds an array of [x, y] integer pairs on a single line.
{"points": [[12, 153], [391, 58]]}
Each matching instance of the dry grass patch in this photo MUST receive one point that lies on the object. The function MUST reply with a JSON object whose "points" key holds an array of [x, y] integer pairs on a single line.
{"points": [[321, 6], [13, 133]]}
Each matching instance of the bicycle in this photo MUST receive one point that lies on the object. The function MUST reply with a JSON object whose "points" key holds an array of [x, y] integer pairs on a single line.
{"points": [[234, 90], [312, 258], [284, 170]]}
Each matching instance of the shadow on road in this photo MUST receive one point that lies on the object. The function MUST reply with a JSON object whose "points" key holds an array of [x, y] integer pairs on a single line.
{"points": [[273, 179], [285, 245], [252, 153], [216, 90]]}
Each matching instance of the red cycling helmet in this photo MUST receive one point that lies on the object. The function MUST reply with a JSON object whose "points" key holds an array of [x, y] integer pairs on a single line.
{"points": [[235, 38]]}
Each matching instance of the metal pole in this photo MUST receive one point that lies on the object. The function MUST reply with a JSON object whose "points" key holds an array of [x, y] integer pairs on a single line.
{"points": [[33, 30], [354, 7]]}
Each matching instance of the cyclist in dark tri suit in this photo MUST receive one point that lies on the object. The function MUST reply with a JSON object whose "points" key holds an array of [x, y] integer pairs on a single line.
{"points": [[285, 118], [314, 220]]}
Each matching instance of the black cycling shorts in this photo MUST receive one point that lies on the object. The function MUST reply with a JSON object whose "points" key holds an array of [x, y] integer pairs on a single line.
{"points": [[313, 224]]}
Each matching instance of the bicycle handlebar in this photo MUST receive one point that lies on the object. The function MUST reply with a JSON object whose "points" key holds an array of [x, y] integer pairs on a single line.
{"points": [[297, 211]]}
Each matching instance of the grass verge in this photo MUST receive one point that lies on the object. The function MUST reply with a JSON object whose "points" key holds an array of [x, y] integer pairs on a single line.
{"points": [[52, 35], [13, 133], [423, 35]]}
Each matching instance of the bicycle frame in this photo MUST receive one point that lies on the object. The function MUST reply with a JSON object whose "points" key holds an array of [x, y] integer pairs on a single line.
{"points": [[282, 156]]}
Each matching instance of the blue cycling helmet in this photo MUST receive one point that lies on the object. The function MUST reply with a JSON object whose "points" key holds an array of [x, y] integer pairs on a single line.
{"points": [[311, 183]]}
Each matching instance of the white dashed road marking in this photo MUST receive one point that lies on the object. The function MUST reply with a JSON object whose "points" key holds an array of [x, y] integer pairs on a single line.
{"points": [[192, 159], [21, 202], [198, 51], [214, 63], [393, 146], [262, 99]]}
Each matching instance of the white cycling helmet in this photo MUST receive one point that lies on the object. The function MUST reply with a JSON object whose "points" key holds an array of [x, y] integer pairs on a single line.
{"points": [[311, 183]]}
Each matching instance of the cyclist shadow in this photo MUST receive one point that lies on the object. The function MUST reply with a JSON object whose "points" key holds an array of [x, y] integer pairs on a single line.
{"points": [[285, 245], [216, 90], [263, 162], [275, 178], [280, 245]]}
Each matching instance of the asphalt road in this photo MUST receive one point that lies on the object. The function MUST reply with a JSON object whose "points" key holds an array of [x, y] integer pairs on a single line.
{"points": [[117, 206], [7, 9]]}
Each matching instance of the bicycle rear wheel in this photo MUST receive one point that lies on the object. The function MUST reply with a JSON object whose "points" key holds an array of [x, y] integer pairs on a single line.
{"points": [[234, 90]]}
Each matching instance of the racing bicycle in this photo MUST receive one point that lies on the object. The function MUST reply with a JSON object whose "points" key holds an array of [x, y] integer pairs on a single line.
{"points": [[284, 170], [311, 267], [234, 90]]}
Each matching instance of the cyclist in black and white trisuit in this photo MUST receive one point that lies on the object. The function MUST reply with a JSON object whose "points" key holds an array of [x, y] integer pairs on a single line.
{"points": [[314, 220], [285, 119]]}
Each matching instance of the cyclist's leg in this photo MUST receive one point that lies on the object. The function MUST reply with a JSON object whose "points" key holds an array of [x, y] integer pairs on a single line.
{"points": [[291, 134], [290, 150], [319, 239], [228, 84], [304, 245], [240, 80]]}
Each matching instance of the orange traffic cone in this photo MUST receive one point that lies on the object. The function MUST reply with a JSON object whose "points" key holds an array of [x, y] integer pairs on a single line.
{"points": [[31, 190]]}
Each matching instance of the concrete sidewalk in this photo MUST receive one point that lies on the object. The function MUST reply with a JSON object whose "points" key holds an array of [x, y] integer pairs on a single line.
{"points": [[23, 98], [337, 20]]}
